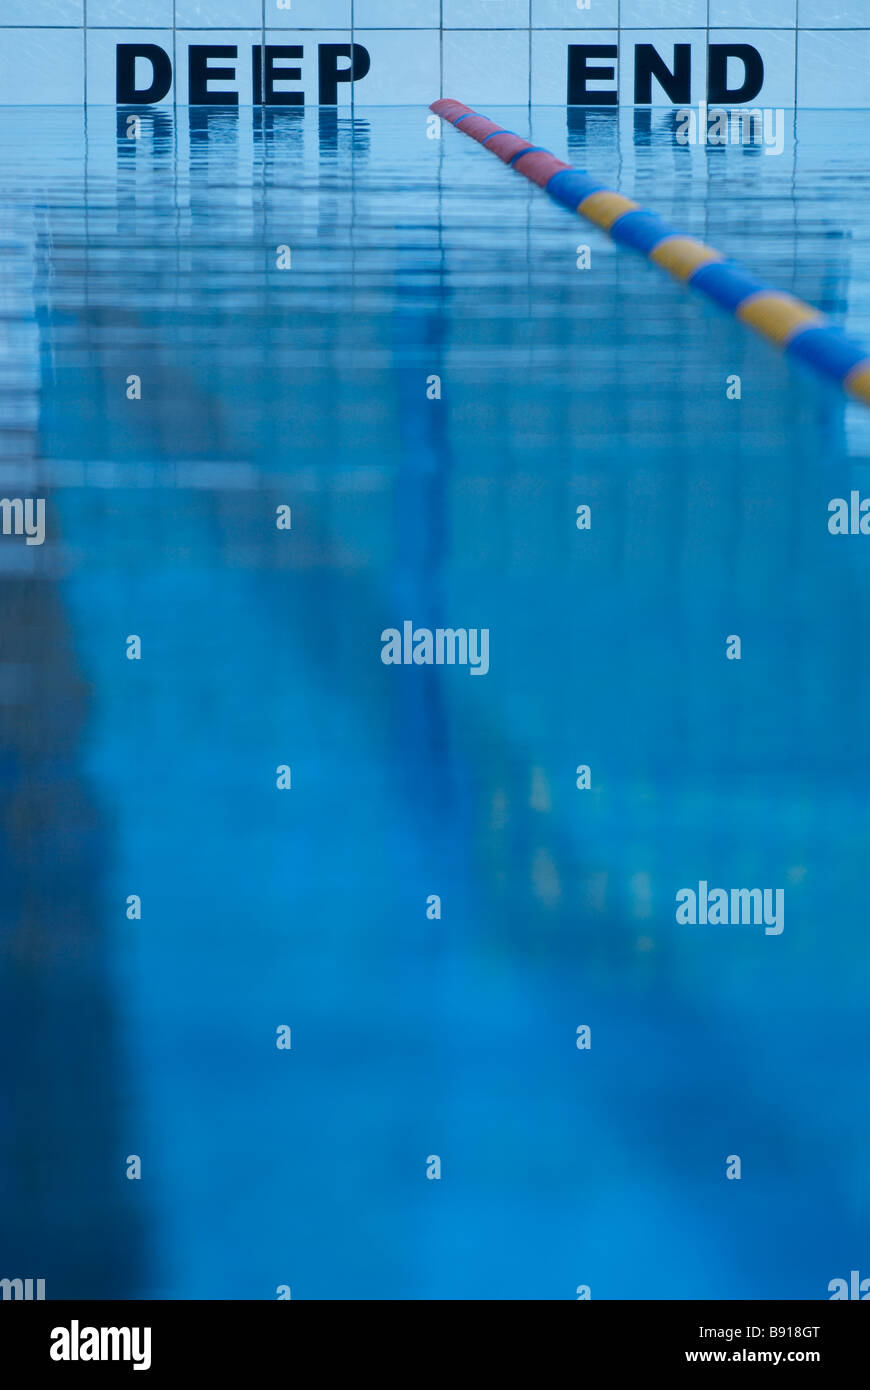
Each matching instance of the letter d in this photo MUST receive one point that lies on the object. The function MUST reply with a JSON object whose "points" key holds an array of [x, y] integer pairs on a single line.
{"points": [[126, 91]]}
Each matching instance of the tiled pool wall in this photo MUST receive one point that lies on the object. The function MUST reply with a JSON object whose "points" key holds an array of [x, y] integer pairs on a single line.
{"points": [[813, 53]]}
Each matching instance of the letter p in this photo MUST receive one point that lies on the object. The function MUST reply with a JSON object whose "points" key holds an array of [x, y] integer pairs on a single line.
{"points": [[330, 74]]}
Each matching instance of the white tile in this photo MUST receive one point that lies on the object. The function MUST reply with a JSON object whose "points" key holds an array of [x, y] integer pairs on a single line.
{"points": [[663, 14], [218, 14], [386, 14], [752, 14], [665, 42], [550, 63], [103, 60], [564, 14], [310, 41], [834, 68], [42, 67], [485, 14], [309, 14], [143, 14], [777, 50], [834, 14], [486, 68], [221, 89], [27, 12], [405, 67]]}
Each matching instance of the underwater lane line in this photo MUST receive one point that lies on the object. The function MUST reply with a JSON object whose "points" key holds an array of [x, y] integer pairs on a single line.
{"points": [[801, 331]]}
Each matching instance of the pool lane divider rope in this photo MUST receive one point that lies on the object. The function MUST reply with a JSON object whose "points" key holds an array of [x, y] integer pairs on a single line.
{"points": [[794, 326]]}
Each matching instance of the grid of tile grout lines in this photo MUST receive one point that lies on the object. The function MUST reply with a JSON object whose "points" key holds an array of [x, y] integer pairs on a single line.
{"points": [[502, 52]]}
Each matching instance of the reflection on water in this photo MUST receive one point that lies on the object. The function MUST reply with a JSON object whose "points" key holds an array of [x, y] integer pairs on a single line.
{"points": [[413, 258]]}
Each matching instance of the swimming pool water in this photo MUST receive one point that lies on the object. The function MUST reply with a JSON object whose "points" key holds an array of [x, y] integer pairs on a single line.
{"points": [[309, 387]]}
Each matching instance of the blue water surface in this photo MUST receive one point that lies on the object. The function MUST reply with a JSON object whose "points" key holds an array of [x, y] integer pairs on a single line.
{"points": [[412, 257]]}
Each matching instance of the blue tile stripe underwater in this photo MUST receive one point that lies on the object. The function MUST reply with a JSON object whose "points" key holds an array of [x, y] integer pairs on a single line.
{"points": [[801, 331]]}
